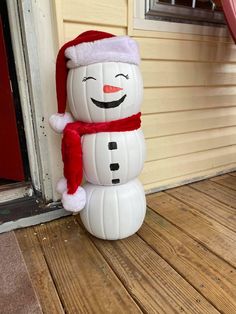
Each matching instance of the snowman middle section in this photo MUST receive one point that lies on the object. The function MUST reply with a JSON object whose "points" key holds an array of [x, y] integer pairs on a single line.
{"points": [[113, 158]]}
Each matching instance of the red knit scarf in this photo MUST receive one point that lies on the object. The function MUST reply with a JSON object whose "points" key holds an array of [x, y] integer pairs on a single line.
{"points": [[71, 144]]}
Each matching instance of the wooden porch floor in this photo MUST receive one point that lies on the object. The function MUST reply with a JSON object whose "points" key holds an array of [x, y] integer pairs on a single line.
{"points": [[183, 259]]}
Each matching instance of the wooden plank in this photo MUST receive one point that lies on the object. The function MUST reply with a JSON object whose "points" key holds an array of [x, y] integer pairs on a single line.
{"points": [[162, 185], [158, 100], [39, 272], [107, 12], [163, 124], [155, 286], [219, 192], [181, 144], [169, 49], [178, 73], [85, 282], [71, 30], [169, 168], [208, 232], [226, 180], [209, 274], [206, 205]]}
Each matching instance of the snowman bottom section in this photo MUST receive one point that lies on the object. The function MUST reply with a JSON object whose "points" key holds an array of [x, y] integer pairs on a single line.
{"points": [[114, 212]]}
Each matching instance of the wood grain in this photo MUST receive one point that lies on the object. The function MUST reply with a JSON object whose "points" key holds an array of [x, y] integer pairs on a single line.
{"points": [[233, 174], [211, 276], [85, 282], [183, 259], [226, 180], [206, 205], [221, 193], [206, 231], [155, 286], [39, 272]]}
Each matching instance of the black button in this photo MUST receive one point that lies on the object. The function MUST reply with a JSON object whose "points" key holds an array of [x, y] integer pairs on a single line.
{"points": [[115, 181], [114, 166], [112, 145]]}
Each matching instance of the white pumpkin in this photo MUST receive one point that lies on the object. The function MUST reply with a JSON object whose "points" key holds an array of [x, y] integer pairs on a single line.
{"points": [[114, 212], [106, 165], [88, 91]]}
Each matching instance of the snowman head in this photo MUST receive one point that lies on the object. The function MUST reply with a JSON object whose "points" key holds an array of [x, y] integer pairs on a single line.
{"points": [[98, 73], [105, 91]]}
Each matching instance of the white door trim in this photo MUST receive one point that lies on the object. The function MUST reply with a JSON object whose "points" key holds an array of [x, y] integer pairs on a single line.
{"points": [[35, 45], [17, 46]]}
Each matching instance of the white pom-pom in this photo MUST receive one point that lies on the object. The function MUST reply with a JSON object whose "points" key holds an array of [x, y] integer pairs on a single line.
{"points": [[61, 185], [74, 202], [58, 121]]}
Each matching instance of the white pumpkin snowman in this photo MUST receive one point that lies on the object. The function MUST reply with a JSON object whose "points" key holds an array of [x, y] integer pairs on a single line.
{"points": [[103, 136]]}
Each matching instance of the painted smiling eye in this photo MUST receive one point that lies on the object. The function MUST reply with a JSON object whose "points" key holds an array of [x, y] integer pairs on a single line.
{"points": [[88, 78], [121, 74]]}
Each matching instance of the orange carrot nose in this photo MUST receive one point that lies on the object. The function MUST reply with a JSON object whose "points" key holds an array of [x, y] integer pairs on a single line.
{"points": [[111, 89]]}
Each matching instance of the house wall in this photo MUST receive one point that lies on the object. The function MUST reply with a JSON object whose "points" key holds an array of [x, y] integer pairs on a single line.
{"points": [[189, 108]]}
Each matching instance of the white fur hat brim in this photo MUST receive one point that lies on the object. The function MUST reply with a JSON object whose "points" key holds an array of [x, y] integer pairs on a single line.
{"points": [[114, 49]]}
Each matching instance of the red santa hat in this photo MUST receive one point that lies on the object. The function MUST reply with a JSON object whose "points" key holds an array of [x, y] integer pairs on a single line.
{"points": [[88, 48]]}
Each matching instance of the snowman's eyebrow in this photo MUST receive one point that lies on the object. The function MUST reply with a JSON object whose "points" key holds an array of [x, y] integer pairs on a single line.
{"points": [[121, 74], [88, 78]]}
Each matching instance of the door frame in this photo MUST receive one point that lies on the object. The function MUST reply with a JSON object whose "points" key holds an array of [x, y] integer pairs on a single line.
{"points": [[32, 64], [32, 26], [17, 46]]}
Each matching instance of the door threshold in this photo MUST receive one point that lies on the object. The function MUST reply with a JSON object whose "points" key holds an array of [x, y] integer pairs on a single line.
{"points": [[14, 191]]}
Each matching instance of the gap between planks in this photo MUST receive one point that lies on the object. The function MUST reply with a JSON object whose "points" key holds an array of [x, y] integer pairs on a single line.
{"points": [[208, 232], [39, 272], [206, 272], [173, 266], [146, 274], [226, 180], [85, 282], [205, 205], [217, 191]]}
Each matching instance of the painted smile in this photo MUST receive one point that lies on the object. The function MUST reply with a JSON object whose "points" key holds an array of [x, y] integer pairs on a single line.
{"points": [[108, 104]]}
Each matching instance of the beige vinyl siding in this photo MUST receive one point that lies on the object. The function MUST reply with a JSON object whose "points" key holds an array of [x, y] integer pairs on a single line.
{"points": [[189, 107], [183, 50], [157, 100], [71, 30], [109, 12]]}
